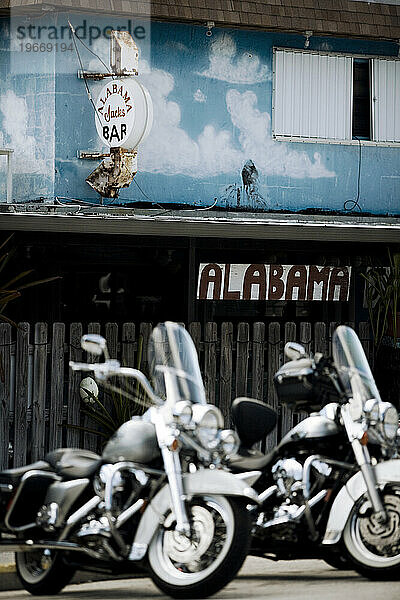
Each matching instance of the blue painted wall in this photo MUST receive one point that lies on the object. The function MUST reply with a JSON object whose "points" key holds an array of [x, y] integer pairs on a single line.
{"points": [[212, 101]]}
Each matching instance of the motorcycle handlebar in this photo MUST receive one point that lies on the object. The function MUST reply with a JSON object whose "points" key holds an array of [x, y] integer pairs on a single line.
{"points": [[102, 371], [78, 366]]}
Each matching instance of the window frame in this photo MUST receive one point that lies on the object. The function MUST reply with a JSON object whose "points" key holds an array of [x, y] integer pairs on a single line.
{"points": [[322, 140]]}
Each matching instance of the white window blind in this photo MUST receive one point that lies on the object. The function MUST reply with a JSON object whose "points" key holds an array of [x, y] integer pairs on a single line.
{"points": [[312, 95], [386, 100]]}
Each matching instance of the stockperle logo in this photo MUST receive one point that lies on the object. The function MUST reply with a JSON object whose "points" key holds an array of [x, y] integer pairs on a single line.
{"points": [[39, 33]]}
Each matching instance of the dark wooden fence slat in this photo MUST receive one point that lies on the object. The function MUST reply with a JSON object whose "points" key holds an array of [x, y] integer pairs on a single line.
{"points": [[5, 388], [287, 413], [210, 361], [290, 335], [332, 327], [145, 330], [242, 359], [320, 338], [305, 337], [57, 387], [274, 338], [90, 440], [39, 391], [225, 393], [364, 333], [21, 395], [75, 377], [128, 345], [257, 383], [111, 335], [195, 333]]}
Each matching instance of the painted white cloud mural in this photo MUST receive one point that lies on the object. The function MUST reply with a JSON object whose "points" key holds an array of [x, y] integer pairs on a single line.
{"points": [[32, 142], [171, 151], [226, 65]]}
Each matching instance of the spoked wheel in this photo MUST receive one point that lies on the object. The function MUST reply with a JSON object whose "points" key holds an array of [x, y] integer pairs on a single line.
{"points": [[198, 566], [43, 572], [374, 547]]}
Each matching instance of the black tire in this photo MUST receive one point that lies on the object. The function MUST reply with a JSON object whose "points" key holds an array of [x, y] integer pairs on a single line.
{"points": [[337, 560], [43, 572], [222, 526], [373, 547]]}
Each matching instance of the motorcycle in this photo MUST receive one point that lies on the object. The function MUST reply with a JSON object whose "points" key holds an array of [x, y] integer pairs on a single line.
{"points": [[142, 502], [331, 488]]}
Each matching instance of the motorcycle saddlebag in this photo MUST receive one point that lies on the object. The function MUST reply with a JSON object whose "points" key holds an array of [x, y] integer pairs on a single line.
{"points": [[294, 384], [28, 499]]}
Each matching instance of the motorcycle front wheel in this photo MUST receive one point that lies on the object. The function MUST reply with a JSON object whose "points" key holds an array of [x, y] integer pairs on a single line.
{"points": [[43, 572], [199, 566], [374, 547]]}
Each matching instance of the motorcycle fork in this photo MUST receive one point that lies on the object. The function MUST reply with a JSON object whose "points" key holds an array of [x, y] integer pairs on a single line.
{"points": [[173, 470], [363, 459]]}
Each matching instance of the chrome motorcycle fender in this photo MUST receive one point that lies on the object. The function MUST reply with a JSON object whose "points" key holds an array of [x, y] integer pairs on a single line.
{"points": [[385, 472], [201, 482]]}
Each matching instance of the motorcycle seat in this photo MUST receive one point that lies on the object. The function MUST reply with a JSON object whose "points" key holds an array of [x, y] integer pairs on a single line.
{"points": [[12, 476], [250, 460], [74, 463]]}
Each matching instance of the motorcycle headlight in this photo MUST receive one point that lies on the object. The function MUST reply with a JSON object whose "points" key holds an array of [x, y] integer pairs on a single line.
{"points": [[371, 408], [389, 418], [229, 441], [183, 412], [208, 420]]}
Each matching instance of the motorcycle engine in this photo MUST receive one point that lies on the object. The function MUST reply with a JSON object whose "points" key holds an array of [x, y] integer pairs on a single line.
{"points": [[127, 485], [288, 475]]}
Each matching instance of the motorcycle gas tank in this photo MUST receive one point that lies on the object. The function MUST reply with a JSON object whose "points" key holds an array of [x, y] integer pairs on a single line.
{"points": [[134, 441], [313, 427]]}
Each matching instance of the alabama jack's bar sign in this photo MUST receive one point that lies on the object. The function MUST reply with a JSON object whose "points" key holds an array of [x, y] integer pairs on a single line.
{"points": [[272, 282]]}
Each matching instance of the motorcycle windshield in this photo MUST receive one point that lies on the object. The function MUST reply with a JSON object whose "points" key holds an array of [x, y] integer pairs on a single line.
{"points": [[173, 357], [352, 365]]}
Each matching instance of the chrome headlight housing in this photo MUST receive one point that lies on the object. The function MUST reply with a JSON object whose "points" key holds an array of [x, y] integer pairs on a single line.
{"points": [[208, 420], [371, 409], [383, 420], [183, 412], [229, 441], [389, 418]]}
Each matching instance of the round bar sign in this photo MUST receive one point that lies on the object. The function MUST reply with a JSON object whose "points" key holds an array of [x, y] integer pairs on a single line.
{"points": [[124, 113]]}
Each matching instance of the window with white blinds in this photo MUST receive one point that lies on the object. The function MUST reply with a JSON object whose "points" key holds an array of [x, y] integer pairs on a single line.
{"points": [[386, 100], [318, 96], [312, 95]]}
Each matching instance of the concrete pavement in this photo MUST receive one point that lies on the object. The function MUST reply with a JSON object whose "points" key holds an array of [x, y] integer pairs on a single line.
{"points": [[259, 579]]}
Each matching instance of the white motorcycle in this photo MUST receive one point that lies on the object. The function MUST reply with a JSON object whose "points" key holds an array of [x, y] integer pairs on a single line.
{"points": [[331, 488], [157, 497]]}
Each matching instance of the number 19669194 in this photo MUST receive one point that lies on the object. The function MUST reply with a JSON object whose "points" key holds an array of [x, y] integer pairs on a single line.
{"points": [[45, 47]]}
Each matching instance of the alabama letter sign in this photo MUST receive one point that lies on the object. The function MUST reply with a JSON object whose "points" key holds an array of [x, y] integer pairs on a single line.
{"points": [[272, 282]]}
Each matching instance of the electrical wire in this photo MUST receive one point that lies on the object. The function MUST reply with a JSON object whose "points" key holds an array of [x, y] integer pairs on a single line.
{"points": [[350, 205], [89, 95], [94, 54], [209, 207], [148, 198]]}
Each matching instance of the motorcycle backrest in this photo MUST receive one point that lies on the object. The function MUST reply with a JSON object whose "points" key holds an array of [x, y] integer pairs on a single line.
{"points": [[253, 420]]}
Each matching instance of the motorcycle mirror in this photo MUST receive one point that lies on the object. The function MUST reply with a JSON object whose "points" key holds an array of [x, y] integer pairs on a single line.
{"points": [[95, 344], [294, 351], [88, 390]]}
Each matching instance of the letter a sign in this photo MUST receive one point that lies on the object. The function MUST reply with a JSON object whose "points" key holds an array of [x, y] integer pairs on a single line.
{"points": [[124, 113]]}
